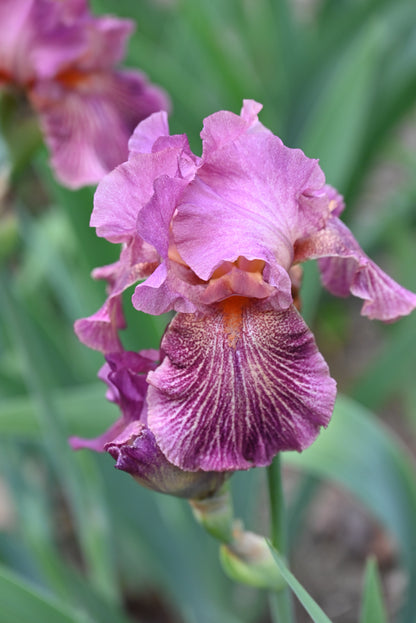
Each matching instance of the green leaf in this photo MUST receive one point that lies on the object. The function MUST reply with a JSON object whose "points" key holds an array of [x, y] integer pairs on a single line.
{"points": [[372, 607], [23, 603], [358, 452], [337, 124], [84, 409], [310, 605]]}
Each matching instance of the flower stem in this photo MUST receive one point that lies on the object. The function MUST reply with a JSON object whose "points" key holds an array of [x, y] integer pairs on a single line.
{"points": [[280, 603]]}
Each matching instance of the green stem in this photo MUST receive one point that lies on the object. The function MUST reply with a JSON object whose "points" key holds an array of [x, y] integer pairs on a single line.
{"points": [[280, 603], [277, 507]]}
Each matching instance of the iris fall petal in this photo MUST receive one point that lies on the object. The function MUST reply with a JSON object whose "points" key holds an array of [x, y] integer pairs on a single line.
{"points": [[236, 387]]}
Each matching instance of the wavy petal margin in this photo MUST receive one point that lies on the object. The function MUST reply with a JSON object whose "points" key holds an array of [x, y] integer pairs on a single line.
{"points": [[345, 269], [236, 387]]}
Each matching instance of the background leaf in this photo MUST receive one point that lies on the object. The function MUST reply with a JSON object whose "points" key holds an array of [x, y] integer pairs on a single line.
{"points": [[310, 605], [372, 607], [367, 459]]}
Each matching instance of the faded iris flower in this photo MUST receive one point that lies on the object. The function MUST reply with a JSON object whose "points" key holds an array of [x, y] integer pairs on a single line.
{"points": [[64, 58], [219, 239]]}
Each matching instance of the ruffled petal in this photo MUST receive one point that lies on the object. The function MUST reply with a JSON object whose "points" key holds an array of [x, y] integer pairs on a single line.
{"points": [[106, 38], [125, 376], [100, 331], [147, 132], [135, 451], [164, 290], [345, 269], [225, 127], [87, 123], [236, 387], [123, 193], [252, 197]]}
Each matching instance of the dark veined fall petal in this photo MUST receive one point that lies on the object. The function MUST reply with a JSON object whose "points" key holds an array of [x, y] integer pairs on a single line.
{"points": [[237, 386], [129, 440]]}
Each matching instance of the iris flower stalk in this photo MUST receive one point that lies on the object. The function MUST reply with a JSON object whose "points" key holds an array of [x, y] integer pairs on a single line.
{"points": [[64, 60]]}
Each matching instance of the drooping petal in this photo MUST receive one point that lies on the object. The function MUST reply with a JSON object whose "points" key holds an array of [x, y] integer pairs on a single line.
{"points": [[101, 330], [88, 118], [125, 375], [236, 387], [345, 269], [136, 452]]}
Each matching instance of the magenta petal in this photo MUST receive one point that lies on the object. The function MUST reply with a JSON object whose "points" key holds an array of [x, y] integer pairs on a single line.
{"points": [[106, 38], [236, 387], [147, 132], [252, 197], [87, 125], [153, 222], [224, 127], [122, 194], [98, 443], [345, 269], [164, 291], [137, 453], [100, 331], [125, 375], [39, 38]]}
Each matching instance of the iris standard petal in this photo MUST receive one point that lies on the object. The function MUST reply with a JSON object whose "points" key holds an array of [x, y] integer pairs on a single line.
{"points": [[123, 193], [247, 201], [236, 387]]}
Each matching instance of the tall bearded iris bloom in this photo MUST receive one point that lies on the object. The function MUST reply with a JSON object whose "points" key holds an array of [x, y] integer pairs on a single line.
{"points": [[64, 59], [219, 239]]}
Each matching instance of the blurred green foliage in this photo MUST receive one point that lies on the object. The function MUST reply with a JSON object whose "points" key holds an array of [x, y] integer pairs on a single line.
{"points": [[85, 543]]}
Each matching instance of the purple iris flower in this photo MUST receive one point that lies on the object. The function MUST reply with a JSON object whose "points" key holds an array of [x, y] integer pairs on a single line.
{"points": [[64, 59], [131, 443], [219, 239]]}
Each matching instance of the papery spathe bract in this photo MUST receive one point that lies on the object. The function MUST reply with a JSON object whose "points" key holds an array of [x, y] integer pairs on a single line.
{"points": [[64, 59], [241, 378]]}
